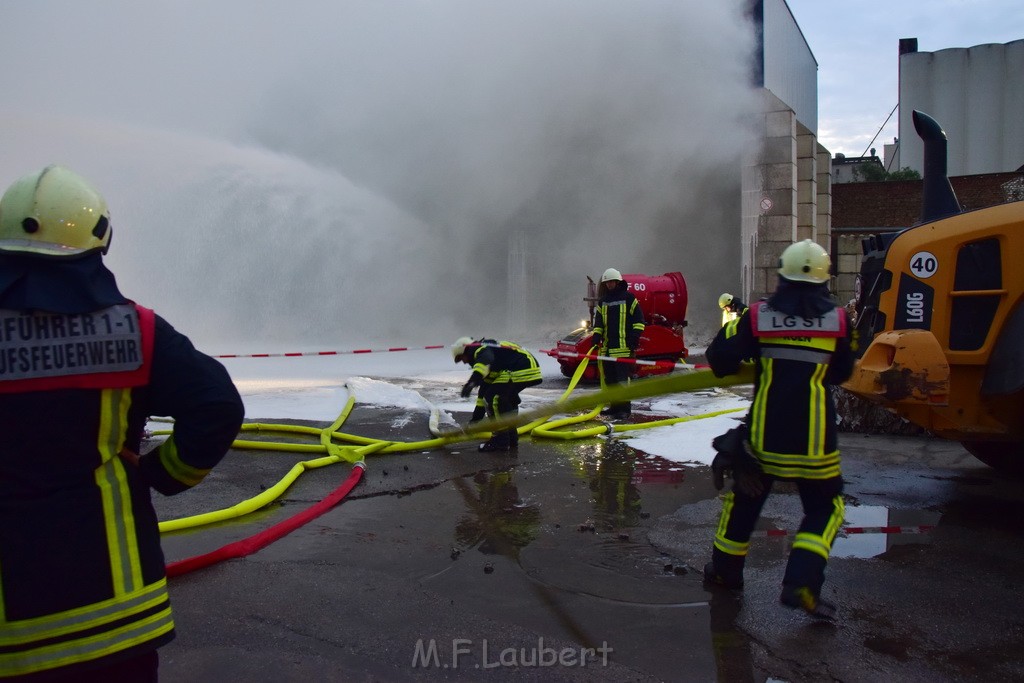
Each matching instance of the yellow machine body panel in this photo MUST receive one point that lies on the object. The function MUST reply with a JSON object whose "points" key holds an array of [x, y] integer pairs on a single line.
{"points": [[946, 326]]}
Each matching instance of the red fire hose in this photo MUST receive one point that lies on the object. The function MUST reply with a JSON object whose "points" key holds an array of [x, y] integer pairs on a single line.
{"points": [[248, 546]]}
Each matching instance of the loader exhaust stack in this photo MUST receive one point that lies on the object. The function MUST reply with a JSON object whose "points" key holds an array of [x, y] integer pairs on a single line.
{"points": [[938, 200]]}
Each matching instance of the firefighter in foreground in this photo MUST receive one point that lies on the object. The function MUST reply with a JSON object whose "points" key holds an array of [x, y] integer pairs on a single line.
{"points": [[501, 370], [800, 341], [83, 595], [618, 324]]}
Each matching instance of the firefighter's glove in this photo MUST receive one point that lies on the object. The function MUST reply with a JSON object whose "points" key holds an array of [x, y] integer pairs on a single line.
{"points": [[153, 473], [720, 466], [479, 413], [747, 477], [735, 458], [474, 381]]}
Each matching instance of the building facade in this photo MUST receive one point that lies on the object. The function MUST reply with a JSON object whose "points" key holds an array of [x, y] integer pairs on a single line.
{"points": [[786, 183], [976, 94]]}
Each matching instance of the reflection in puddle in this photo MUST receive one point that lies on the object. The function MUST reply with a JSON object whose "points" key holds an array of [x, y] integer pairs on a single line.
{"points": [[498, 522], [614, 473], [879, 528]]}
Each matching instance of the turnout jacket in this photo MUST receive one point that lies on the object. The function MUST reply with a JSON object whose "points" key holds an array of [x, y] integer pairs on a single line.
{"points": [[81, 569], [502, 362], [792, 418], [618, 322]]}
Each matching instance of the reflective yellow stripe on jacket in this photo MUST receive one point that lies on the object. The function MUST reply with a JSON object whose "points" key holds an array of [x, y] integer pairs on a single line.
{"points": [[815, 463], [135, 612], [528, 374], [85, 633], [622, 316]]}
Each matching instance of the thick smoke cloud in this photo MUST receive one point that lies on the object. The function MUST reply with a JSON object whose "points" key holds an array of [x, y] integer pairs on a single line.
{"points": [[343, 172]]}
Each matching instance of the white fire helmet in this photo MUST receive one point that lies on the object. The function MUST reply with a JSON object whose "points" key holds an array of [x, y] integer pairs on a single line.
{"points": [[459, 347], [611, 274], [53, 212], [805, 261]]}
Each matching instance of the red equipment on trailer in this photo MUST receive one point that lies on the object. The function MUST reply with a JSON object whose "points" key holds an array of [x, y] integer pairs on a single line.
{"points": [[663, 300]]}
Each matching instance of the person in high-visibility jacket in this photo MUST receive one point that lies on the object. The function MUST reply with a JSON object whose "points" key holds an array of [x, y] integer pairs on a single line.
{"points": [[618, 325], [732, 307], [83, 593], [801, 342], [501, 370]]}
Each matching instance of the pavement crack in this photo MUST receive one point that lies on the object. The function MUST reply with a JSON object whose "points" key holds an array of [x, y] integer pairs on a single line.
{"points": [[295, 630], [425, 486]]}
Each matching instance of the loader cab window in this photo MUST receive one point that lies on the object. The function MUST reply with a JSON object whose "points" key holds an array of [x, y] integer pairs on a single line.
{"points": [[978, 276]]}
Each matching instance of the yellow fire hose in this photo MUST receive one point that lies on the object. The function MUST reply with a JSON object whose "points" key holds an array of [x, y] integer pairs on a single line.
{"points": [[530, 422]]}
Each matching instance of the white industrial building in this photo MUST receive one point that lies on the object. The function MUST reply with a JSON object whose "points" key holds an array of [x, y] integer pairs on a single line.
{"points": [[976, 94]]}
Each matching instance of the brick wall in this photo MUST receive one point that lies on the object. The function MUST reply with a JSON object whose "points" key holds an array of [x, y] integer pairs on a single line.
{"points": [[861, 209]]}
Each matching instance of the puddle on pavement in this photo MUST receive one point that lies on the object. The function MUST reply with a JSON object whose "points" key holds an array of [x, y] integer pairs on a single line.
{"points": [[876, 529], [556, 544]]}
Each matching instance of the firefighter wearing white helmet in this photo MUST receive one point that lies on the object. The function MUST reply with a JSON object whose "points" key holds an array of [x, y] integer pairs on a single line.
{"points": [[501, 370], [618, 325], [800, 342], [54, 212], [87, 358], [805, 261], [459, 347]]}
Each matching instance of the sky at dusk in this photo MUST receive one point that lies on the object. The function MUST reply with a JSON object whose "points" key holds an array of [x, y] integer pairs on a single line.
{"points": [[856, 45]]}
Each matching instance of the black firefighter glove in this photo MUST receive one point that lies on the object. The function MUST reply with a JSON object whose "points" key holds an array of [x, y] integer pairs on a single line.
{"points": [[734, 458], [479, 413], [475, 380], [736, 306]]}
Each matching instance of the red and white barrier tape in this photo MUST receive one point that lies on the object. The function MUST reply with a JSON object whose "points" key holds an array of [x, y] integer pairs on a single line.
{"points": [[922, 529], [630, 361], [550, 352], [327, 353]]}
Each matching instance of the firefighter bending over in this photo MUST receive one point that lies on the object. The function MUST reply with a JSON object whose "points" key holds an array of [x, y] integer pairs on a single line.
{"points": [[732, 307], [501, 370], [618, 324], [800, 341], [83, 594]]}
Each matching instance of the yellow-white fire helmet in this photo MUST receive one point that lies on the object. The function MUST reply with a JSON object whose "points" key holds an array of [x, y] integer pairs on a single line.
{"points": [[805, 261], [459, 347], [611, 274], [54, 212]]}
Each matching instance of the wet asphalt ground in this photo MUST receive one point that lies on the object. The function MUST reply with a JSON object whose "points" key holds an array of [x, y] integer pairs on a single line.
{"points": [[581, 560]]}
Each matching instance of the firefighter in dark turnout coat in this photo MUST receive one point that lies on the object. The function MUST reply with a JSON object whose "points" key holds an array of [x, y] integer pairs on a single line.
{"points": [[800, 342], [502, 370], [618, 324], [83, 594]]}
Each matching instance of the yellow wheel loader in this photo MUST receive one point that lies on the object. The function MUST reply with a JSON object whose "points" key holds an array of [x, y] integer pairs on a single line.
{"points": [[940, 318]]}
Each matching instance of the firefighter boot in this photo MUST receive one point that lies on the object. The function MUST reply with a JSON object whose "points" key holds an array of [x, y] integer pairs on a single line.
{"points": [[500, 442], [724, 570], [618, 411], [801, 597]]}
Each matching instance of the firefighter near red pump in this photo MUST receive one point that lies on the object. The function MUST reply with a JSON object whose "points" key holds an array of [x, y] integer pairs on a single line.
{"points": [[663, 300]]}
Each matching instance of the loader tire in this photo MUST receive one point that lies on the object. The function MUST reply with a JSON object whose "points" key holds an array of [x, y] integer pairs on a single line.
{"points": [[1006, 457]]}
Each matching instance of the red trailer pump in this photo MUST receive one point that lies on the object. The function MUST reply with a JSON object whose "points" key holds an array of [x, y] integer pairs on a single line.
{"points": [[663, 300]]}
